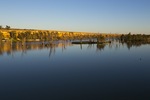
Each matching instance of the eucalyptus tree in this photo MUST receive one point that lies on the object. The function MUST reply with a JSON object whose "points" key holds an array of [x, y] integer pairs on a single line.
{"points": [[13, 35], [100, 38], [1, 36], [1, 26], [28, 35], [7, 27]]}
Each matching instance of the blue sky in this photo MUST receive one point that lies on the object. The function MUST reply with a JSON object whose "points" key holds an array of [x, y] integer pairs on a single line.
{"points": [[107, 16]]}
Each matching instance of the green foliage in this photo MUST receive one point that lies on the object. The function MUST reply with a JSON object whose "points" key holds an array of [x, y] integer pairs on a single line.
{"points": [[7, 27], [28, 35], [1, 26], [22, 35], [13, 34], [31, 35], [100, 38], [134, 38], [1, 36]]}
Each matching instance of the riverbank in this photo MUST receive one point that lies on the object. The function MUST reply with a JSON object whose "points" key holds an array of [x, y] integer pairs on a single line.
{"points": [[48, 35]]}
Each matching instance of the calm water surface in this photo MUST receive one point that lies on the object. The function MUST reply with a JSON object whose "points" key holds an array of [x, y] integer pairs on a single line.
{"points": [[63, 71]]}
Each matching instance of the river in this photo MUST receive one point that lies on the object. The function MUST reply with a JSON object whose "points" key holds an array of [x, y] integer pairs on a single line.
{"points": [[64, 71]]}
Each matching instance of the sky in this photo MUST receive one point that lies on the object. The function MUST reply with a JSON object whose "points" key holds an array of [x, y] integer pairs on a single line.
{"points": [[100, 16]]}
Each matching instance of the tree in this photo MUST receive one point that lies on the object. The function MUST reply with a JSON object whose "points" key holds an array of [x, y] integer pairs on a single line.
{"points": [[128, 37], [28, 35], [1, 26], [100, 38], [1, 36], [13, 34], [7, 27]]}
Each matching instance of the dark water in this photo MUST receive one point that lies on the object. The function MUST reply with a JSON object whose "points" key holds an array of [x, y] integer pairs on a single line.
{"points": [[63, 71]]}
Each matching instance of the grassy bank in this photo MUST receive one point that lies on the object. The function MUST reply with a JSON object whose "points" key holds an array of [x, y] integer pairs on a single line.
{"points": [[48, 35]]}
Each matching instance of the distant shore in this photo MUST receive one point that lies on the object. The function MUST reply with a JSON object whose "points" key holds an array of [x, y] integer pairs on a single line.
{"points": [[48, 35], [24, 35]]}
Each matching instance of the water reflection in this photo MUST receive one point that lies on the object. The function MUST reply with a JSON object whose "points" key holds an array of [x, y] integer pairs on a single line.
{"points": [[10, 49], [134, 44], [101, 47], [76, 71]]}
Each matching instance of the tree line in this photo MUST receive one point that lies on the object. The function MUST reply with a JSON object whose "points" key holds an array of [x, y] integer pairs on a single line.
{"points": [[135, 38], [6, 27], [46, 35], [55, 35], [32, 35]]}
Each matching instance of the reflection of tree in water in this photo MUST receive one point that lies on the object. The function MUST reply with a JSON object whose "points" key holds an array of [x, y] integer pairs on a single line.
{"points": [[24, 48], [100, 47], [81, 46], [52, 50], [90, 46], [135, 44], [6, 47], [1, 52], [110, 45], [11, 48], [63, 46]]}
